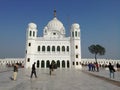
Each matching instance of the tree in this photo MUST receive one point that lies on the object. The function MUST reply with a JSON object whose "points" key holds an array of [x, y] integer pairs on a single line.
{"points": [[96, 49]]}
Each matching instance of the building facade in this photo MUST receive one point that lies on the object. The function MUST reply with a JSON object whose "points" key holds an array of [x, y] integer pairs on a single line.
{"points": [[53, 46]]}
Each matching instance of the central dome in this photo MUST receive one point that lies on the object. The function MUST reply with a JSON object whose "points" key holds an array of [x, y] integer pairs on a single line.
{"points": [[55, 24]]}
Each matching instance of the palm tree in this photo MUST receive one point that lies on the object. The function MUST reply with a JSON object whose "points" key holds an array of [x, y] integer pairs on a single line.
{"points": [[96, 49]]}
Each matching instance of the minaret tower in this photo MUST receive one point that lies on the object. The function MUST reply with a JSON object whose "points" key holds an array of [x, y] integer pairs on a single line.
{"points": [[31, 36], [75, 46]]}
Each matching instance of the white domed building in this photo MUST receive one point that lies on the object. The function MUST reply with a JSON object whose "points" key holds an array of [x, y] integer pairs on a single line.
{"points": [[54, 46]]}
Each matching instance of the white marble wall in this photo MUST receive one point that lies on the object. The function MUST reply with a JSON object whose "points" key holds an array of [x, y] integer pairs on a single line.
{"points": [[4, 61]]}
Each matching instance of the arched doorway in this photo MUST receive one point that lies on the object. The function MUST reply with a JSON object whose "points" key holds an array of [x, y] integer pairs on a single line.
{"points": [[53, 61], [63, 64], [54, 64], [42, 64], [47, 64]]}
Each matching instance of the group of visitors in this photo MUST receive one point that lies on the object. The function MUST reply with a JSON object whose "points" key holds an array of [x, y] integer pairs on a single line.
{"points": [[93, 67], [52, 66]]}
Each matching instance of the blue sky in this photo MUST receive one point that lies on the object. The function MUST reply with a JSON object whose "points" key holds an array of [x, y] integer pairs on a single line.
{"points": [[99, 21]]}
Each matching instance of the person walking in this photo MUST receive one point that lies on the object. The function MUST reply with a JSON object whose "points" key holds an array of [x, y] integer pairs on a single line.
{"points": [[89, 66], [111, 70], [93, 66], [51, 68], [33, 71], [15, 71], [97, 67]]}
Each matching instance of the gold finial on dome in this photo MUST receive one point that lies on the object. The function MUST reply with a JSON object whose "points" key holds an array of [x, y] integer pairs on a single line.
{"points": [[54, 13]]}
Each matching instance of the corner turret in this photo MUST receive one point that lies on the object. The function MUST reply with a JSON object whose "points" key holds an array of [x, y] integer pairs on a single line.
{"points": [[76, 46]]}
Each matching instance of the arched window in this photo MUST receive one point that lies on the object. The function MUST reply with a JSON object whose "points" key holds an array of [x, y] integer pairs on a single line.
{"points": [[42, 64], [53, 48], [76, 46], [58, 48], [30, 33], [68, 48], [33, 33], [47, 63], [38, 63], [38, 48], [68, 65], [43, 48], [63, 64], [28, 60], [48, 48], [76, 56], [63, 48], [29, 44], [76, 63], [76, 33]]}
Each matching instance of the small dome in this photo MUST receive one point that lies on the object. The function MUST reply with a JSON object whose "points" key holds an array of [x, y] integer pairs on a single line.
{"points": [[55, 24], [76, 25], [32, 25]]}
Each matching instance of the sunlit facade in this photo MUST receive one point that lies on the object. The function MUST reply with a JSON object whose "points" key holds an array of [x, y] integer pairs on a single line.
{"points": [[53, 45]]}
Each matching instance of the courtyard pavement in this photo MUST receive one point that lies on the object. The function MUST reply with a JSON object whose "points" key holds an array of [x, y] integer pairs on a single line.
{"points": [[61, 79]]}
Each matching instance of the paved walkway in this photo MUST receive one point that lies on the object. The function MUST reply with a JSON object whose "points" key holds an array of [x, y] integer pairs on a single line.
{"points": [[105, 73], [61, 79]]}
